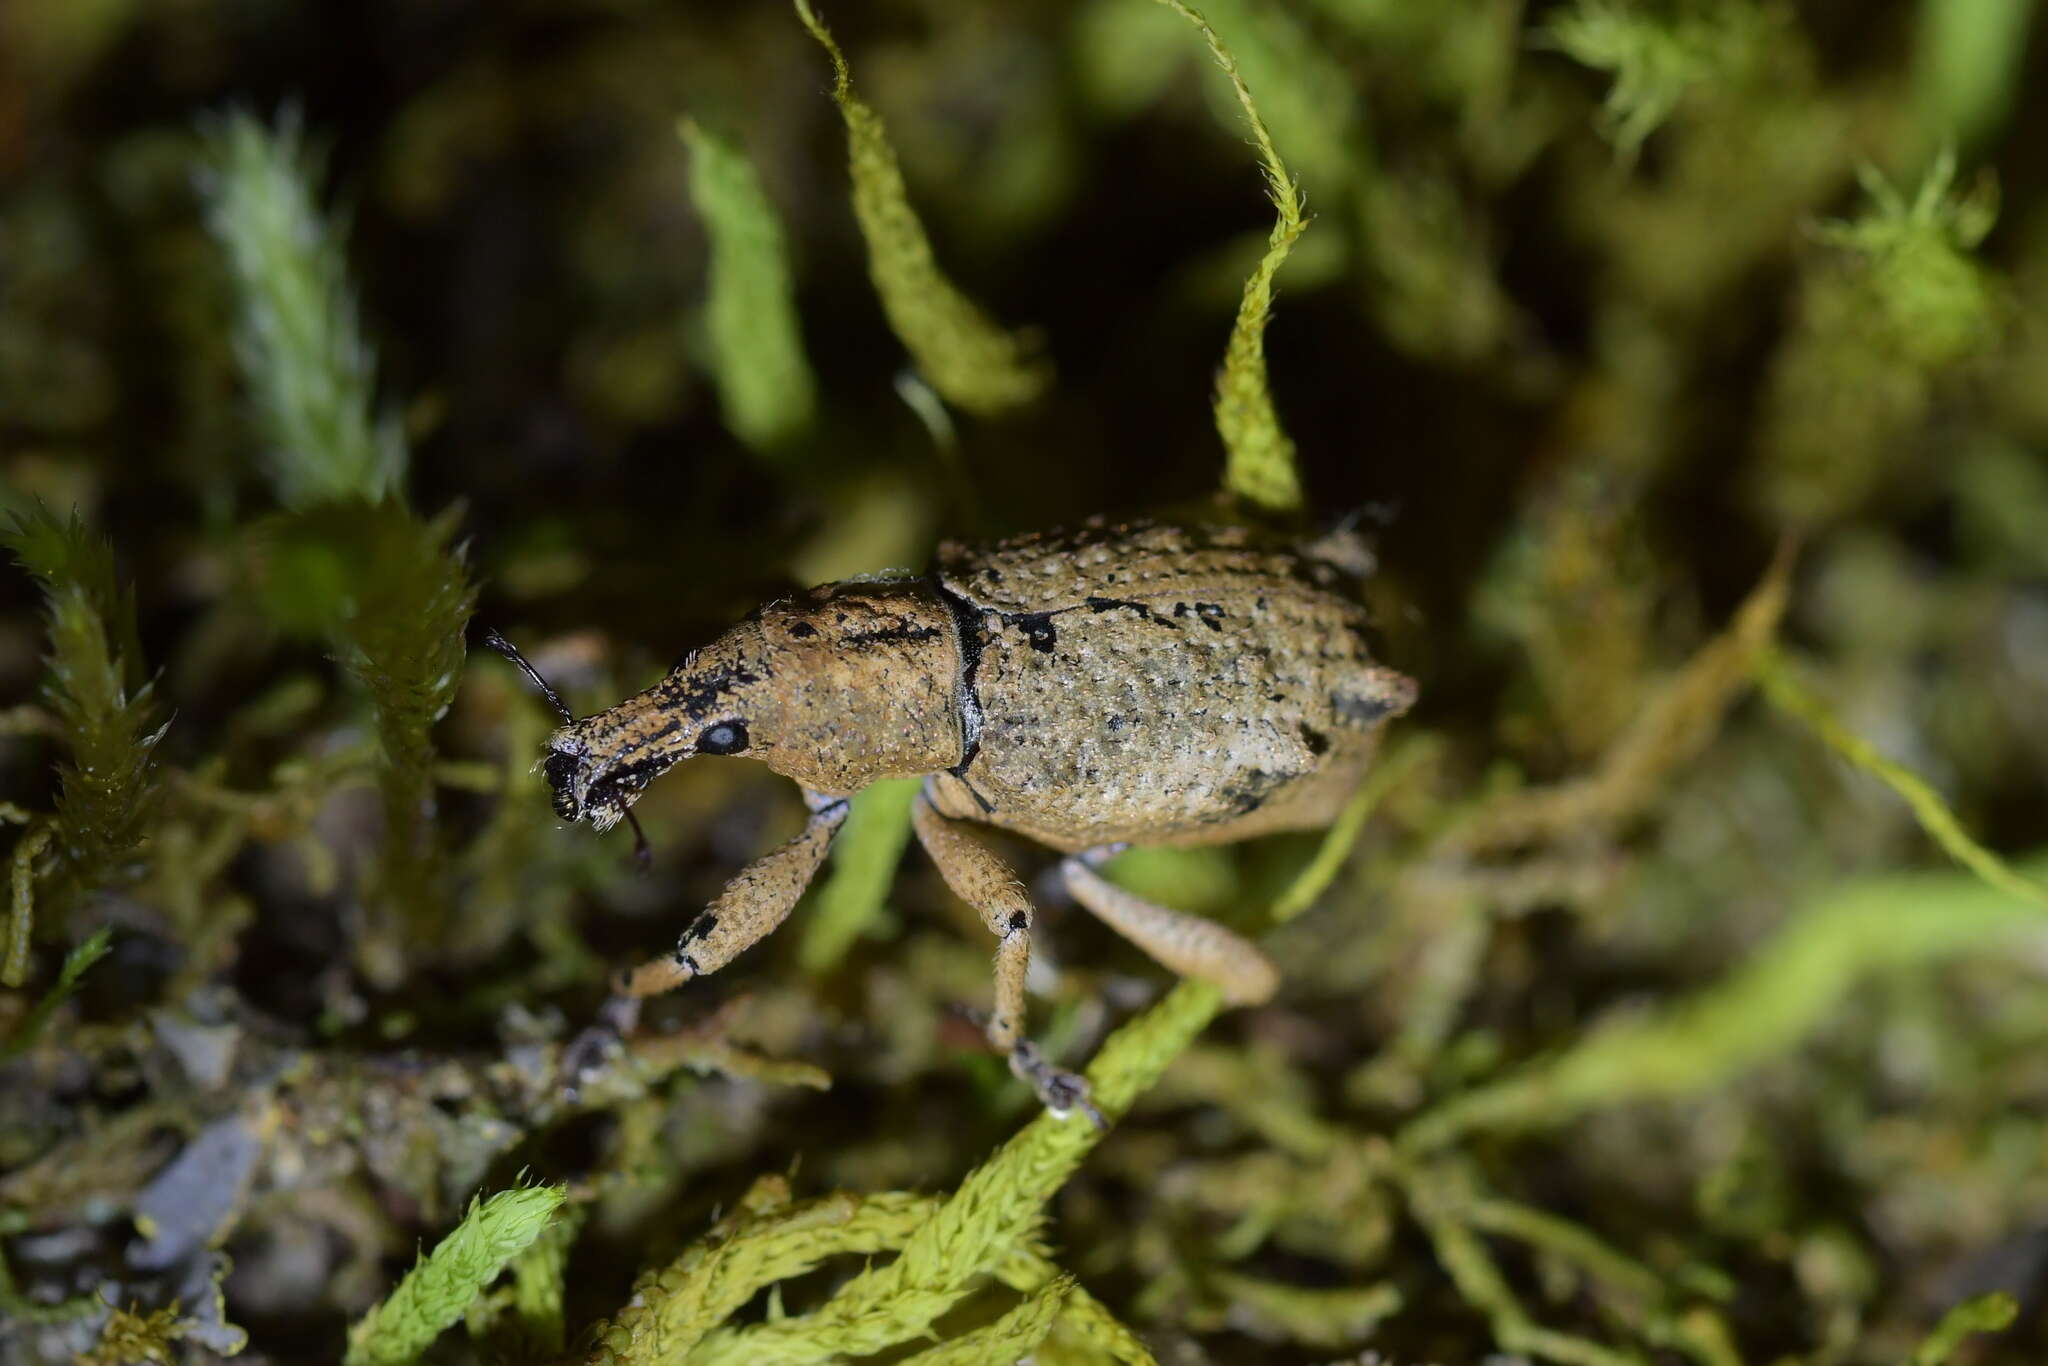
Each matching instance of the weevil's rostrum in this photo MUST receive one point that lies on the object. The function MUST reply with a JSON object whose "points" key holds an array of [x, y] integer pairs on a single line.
{"points": [[1118, 684]]}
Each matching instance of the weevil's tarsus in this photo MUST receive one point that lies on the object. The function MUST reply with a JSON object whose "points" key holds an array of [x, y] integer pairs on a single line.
{"points": [[1062, 1093]]}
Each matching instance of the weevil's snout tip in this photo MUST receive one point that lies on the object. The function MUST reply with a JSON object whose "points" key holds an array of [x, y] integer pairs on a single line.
{"points": [[580, 788], [583, 791], [560, 767], [596, 768]]}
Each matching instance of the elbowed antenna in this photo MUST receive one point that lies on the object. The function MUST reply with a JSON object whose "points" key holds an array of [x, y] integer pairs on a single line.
{"points": [[520, 662], [643, 853]]}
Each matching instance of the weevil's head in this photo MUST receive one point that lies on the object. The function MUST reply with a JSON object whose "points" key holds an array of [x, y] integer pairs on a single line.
{"points": [[836, 688], [597, 767]]}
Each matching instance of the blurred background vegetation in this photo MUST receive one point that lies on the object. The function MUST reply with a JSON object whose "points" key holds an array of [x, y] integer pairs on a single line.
{"points": [[1633, 1025]]}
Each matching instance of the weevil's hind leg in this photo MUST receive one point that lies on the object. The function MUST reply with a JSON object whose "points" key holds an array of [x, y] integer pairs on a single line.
{"points": [[1190, 945], [985, 882], [756, 901]]}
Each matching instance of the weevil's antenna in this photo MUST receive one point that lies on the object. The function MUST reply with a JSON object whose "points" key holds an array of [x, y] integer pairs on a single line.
{"points": [[643, 852], [519, 662]]}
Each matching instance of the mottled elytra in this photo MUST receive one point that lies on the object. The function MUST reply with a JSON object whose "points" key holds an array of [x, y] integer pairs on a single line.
{"points": [[1114, 685]]}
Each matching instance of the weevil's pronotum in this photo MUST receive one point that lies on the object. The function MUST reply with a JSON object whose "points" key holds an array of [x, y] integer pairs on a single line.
{"points": [[1137, 684]]}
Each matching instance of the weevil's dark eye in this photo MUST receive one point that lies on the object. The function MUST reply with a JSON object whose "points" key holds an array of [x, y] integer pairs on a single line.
{"points": [[727, 737]]}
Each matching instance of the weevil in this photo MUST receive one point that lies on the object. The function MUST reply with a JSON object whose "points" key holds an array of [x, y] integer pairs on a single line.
{"points": [[1115, 685]]}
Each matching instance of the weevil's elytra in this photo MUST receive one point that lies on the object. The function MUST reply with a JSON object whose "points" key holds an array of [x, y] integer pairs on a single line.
{"points": [[1113, 685]]}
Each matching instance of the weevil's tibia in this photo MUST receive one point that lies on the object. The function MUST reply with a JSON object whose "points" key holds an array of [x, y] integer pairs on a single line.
{"points": [[984, 882], [750, 908], [1190, 945]]}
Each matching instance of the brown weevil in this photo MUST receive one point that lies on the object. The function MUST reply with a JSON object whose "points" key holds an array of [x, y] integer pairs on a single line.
{"points": [[1128, 684]]}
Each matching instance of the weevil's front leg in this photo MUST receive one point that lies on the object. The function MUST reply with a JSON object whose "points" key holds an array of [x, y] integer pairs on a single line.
{"points": [[753, 904], [984, 882], [1190, 945], [757, 900]]}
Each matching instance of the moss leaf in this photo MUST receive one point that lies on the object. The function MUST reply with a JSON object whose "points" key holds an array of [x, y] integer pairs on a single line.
{"points": [[958, 348], [764, 382], [107, 719], [864, 860], [311, 374], [1259, 454], [1852, 933], [434, 1293], [1990, 1313]]}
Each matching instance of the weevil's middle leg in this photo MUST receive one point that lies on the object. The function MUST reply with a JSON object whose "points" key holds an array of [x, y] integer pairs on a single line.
{"points": [[757, 900], [1189, 944], [984, 882]]}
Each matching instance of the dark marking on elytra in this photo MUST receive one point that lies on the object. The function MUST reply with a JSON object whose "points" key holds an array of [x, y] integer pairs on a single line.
{"points": [[902, 633], [701, 927], [1037, 628], [1101, 605], [1249, 789], [1360, 710], [803, 630], [1019, 921], [1316, 742]]}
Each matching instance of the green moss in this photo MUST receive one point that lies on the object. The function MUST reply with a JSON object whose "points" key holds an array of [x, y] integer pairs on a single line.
{"points": [[310, 371], [350, 563], [1260, 467], [75, 965], [434, 1293], [1658, 58], [757, 356], [964, 354], [1967, 63], [865, 858], [105, 717], [1990, 1313]]}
